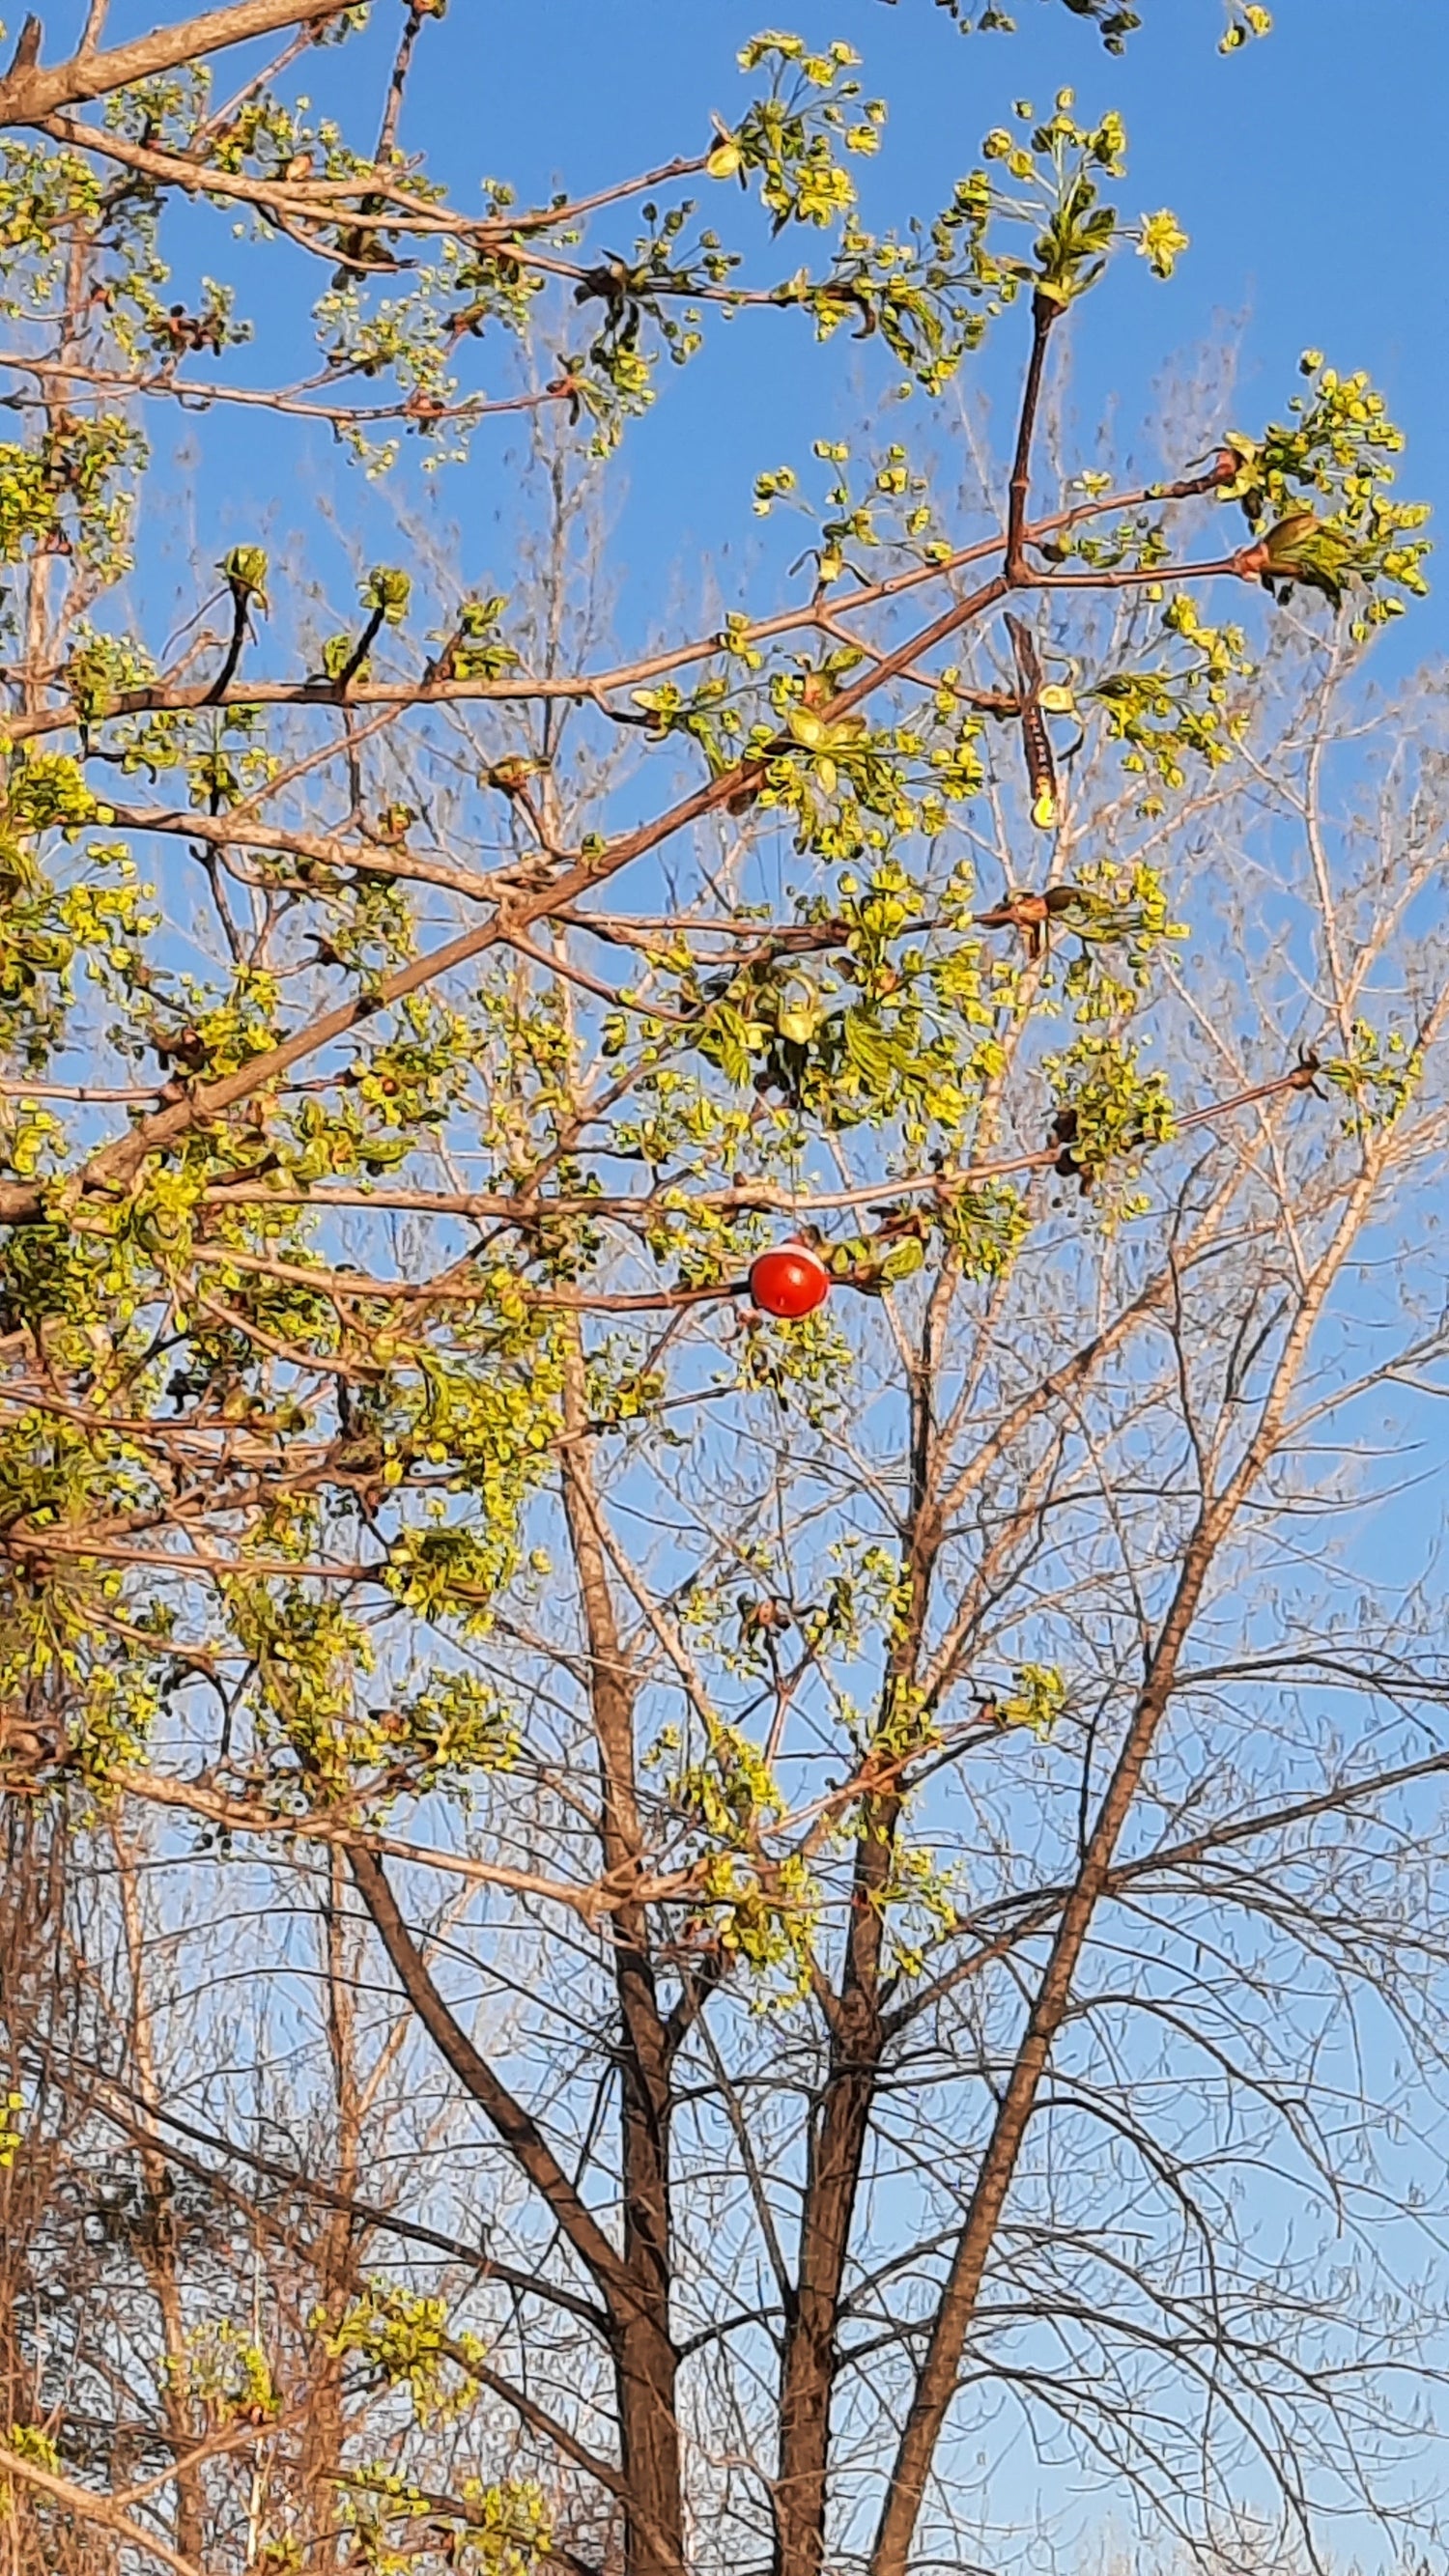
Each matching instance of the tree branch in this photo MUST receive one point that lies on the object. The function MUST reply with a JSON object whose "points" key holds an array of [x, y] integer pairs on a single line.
{"points": [[365, 2214], [1045, 311], [96, 2509], [27, 92], [937, 2379], [519, 2133]]}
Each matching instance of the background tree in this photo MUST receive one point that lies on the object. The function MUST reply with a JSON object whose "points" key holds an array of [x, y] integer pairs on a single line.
{"points": [[640, 1931]]}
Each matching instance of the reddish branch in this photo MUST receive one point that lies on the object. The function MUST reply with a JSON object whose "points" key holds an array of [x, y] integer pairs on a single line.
{"points": [[29, 92]]}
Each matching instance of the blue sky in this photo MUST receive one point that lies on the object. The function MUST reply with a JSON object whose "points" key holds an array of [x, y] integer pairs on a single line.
{"points": [[1305, 169], [1316, 204]]}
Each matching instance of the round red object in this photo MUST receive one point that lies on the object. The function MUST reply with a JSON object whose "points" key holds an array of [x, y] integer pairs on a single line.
{"points": [[790, 1281]]}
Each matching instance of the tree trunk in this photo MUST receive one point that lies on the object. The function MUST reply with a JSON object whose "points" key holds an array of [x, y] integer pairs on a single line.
{"points": [[156, 2241], [645, 2360], [857, 2036], [324, 2431]]}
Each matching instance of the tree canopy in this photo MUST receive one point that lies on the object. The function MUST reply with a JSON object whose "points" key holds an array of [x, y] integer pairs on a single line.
{"points": [[651, 1915]]}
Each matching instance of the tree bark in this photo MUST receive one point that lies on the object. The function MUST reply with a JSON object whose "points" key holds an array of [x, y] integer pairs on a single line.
{"points": [[27, 91], [646, 2362], [857, 2040]]}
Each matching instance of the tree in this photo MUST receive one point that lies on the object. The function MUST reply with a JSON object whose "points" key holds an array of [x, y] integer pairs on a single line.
{"points": [[639, 1927]]}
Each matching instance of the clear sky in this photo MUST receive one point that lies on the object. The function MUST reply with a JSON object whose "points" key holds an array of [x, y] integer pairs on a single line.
{"points": [[1310, 172]]}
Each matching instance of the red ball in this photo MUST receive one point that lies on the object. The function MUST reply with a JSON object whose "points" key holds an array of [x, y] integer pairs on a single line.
{"points": [[790, 1281]]}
